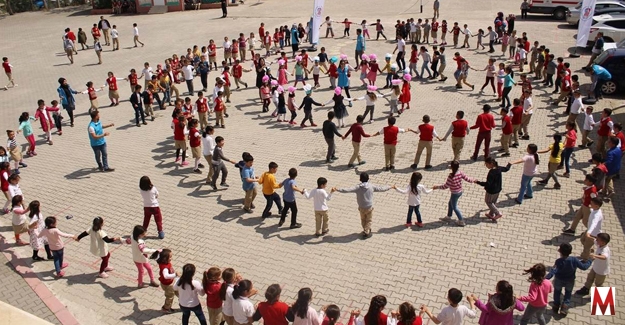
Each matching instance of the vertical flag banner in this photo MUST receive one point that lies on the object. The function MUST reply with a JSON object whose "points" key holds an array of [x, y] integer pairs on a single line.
{"points": [[317, 19], [587, 11]]}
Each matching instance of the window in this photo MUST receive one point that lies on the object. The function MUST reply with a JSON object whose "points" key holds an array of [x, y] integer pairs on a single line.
{"points": [[619, 24]]}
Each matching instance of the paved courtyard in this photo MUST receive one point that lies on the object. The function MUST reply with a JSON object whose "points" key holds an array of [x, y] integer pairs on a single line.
{"points": [[209, 228]]}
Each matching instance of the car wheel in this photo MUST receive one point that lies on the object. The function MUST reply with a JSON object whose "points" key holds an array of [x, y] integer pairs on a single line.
{"points": [[609, 87], [559, 13]]}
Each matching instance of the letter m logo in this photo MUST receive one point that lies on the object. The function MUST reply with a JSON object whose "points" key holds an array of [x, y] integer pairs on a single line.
{"points": [[602, 297]]}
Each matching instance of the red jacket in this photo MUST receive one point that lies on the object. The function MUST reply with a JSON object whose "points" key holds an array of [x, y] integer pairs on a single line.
{"points": [[517, 115], [460, 128], [506, 129], [390, 135], [426, 132], [485, 122]]}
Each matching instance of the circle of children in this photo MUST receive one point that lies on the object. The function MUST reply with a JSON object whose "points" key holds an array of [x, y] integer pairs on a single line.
{"points": [[226, 291]]}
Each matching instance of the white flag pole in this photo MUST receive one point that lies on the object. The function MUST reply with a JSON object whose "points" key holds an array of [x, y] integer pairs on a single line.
{"points": [[587, 11]]}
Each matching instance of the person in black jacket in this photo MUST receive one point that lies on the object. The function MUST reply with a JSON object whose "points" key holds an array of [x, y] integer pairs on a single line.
{"points": [[329, 131], [136, 99], [493, 186]]}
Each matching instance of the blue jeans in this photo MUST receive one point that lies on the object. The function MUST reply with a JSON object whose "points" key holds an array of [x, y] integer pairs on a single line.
{"points": [[389, 78], [457, 73], [139, 113], [414, 209], [197, 310], [426, 66], [452, 205], [526, 188], [101, 157], [58, 260], [275, 197], [167, 95], [566, 157], [557, 291]]}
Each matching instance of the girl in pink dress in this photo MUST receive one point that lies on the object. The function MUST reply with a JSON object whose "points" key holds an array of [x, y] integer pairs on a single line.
{"points": [[282, 72], [364, 69], [374, 68], [43, 115]]}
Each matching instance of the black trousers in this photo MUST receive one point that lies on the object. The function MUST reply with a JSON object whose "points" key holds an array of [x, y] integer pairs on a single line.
{"points": [[290, 206], [275, 197]]}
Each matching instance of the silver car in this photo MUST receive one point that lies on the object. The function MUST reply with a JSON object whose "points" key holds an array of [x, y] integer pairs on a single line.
{"points": [[601, 7]]}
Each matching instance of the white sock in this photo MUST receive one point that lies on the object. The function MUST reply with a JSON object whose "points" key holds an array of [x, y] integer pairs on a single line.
{"points": [[197, 162]]}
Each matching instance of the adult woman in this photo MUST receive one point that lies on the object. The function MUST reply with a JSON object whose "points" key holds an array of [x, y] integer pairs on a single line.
{"points": [[66, 95], [344, 73], [261, 71]]}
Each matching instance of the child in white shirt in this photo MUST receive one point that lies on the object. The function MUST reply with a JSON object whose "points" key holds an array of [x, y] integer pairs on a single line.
{"points": [[589, 124], [600, 265], [414, 190], [320, 198], [454, 313]]}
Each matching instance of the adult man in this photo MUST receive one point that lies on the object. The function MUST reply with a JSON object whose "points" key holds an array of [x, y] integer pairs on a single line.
{"points": [[599, 75], [98, 141], [360, 45], [596, 49], [400, 48], [66, 96], [364, 197], [137, 104], [613, 163], [104, 26]]}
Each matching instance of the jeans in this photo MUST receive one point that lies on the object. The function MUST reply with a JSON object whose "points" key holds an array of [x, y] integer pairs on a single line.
{"points": [[139, 113], [557, 291], [505, 98], [598, 86], [526, 188], [289, 206], [414, 209], [389, 78], [452, 205], [166, 96], [204, 79], [101, 157], [566, 157], [275, 197], [197, 310], [426, 67], [190, 86], [58, 260]]}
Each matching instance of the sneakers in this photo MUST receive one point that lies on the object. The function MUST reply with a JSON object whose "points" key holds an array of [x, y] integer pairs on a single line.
{"points": [[445, 219], [408, 225], [197, 171], [419, 224], [557, 186], [460, 223], [582, 292], [23, 165], [109, 269], [185, 163], [413, 166], [428, 167], [569, 232], [362, 162], [161, 234], [103, 275], [295, 226], [224, 185]]}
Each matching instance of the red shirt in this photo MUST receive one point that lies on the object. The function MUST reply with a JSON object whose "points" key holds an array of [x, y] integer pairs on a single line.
{"points": [[390, 137], [219, 105], [414, 56], [604, 129], [202, 105], [517, 115], [4, 182], [161, 278], [570, 141], [261, 31], [227, 78], [485, 122], [444, 28], [566, 83], [333, 71], [6, 66], [426, 132], [235, 47], [92, 94], [178, 130], [458, 61], [194, 141], [112, 82], [357, 132], [72, 36], [456, 30], [213, 300], [435, 27], [212, 50], [460, 128], [274, 314], [589, 193], [507, 129], [527, 46], [133, 79], [95, 32], [382, 319], [305, 60], [621, 137], [559, 68]]}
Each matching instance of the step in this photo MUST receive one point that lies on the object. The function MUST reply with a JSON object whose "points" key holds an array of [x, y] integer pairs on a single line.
{"points": [[157, 10]]}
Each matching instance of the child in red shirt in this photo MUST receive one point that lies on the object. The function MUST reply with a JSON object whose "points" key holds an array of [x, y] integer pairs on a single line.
{"points": [[516, 120], [195, 142], [506, 132], [212, 287], [219, 111], [273, 311], [570, 138], [166, 276]]}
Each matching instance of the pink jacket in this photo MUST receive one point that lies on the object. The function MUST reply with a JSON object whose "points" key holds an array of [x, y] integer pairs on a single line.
{"points": [[54, 237], [538, 295]]}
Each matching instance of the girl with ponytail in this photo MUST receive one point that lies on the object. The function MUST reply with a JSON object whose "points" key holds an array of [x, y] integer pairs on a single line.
{"points": [[333, 313], [408, 315], [375, 315], [499, 308], [530, 165], [555, 158], [301, 312], [242, 307], [454, 184]]}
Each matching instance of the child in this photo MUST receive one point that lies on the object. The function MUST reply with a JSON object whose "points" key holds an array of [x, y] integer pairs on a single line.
{"points": [[480, 35], [414, 190], [93, 97], [320, 198], [291, 105], [140, 256], [180, 141], [500, 307], [427, 58], [426, 133], [249, 181], [458, 130], [290, 188], [4, 157], [14, 186], [407, 315], [564, 270], [307, 103], [528, 110], [454, 313], [530, 165], [218, 163], [196, 145], [303, 313], [505, 39], [538, 294], [454, 184], [281, 105], [54, 237], [387, 69], [242, 307], [590, 192], [404, 99], [490, 76], [42, 114], [99, 244], [5, 168], [364, 68], [212, 286], [188, 290], [374, 68], [268, 181], [56, 116], [605, 127], [394, 93], [19, 220], [272, 311], [149, 194], [493, 186], [555, 157], [370, 98], [35, 226], [220, 109], [595, 222], [298, 71], [339, 109], [230, 278], [516, 120], [506, 131], [501, 74], [569, 146], [27, 127], [390, 133], [315, 70], [589, 124], [600, 266], [166, 276], [148, 98]]}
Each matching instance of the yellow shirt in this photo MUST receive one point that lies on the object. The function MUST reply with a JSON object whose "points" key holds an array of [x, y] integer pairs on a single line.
{"points": [[268, 180], [387, 67], [558, 158]]}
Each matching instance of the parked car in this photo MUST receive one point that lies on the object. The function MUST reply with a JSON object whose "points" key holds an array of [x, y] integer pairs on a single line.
{"points": [[557, 8], [601, 7], [620, 45], [612, 26], [613, 60]]}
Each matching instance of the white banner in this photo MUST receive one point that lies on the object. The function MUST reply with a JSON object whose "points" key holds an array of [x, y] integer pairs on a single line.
{"points": [[586, 12], [317, 19]]}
